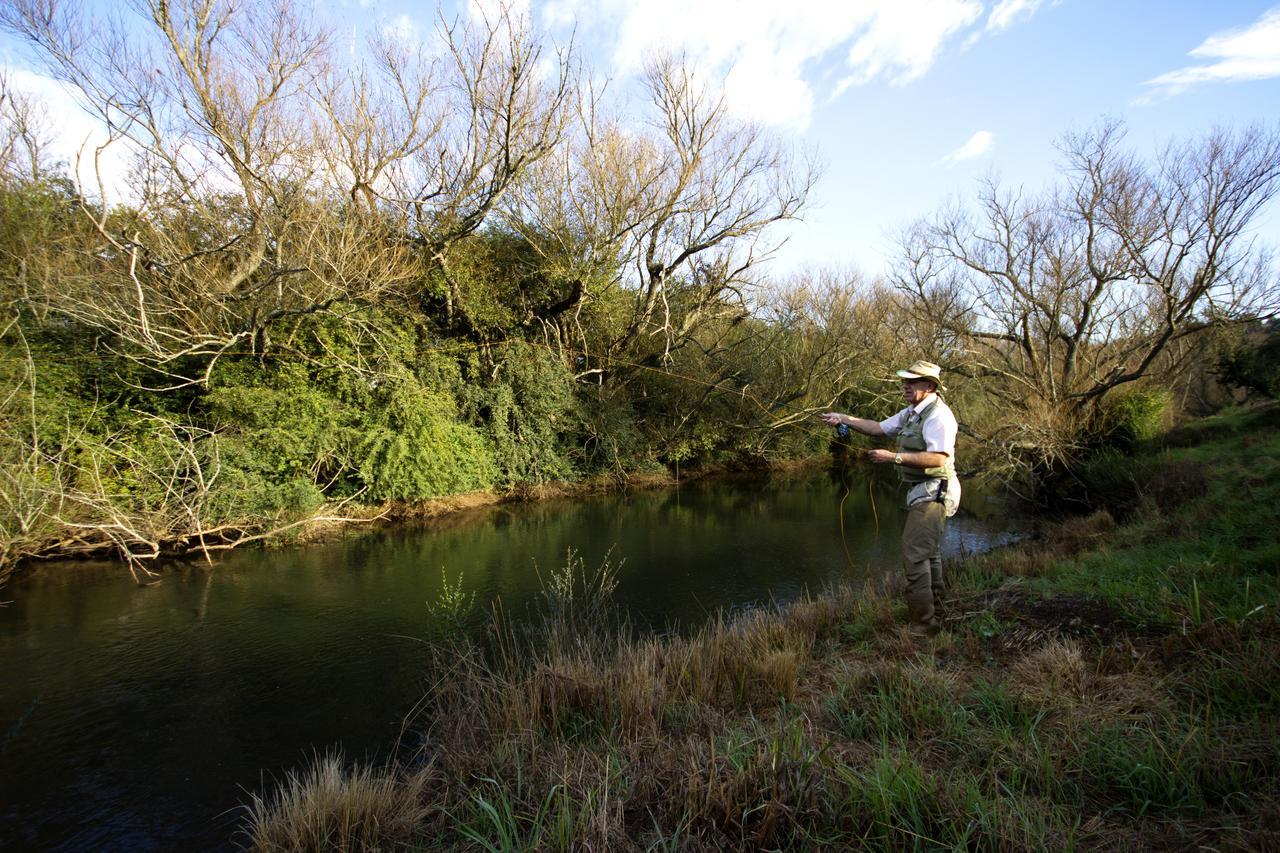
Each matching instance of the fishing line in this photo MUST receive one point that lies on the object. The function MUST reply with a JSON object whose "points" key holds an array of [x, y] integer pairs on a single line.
{"points": [[844, 541]]}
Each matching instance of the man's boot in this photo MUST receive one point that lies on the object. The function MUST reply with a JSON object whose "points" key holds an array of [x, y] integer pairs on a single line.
{"points": [[937, 586], [920, 606]]}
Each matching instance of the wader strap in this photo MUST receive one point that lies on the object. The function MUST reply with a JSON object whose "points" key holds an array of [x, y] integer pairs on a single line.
{"points": [[942, 490]]}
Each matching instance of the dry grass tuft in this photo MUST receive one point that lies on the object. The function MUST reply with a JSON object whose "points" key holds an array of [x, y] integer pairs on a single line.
{"points": [[1074, 535], [330, 807], [1052, 676], [1017, 562]]}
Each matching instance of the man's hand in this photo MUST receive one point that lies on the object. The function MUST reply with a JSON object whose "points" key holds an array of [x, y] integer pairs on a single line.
{"points": [[833, 418], [879, 455]]}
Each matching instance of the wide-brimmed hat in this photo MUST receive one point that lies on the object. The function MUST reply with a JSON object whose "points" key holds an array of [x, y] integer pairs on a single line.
{"points": [[923, 370]]}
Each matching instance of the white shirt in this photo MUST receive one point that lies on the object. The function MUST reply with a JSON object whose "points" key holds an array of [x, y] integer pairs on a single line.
{"points": [[939, 432]]}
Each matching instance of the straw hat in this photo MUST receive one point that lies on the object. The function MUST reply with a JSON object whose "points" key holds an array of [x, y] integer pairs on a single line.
{"points": [[924, 370]]}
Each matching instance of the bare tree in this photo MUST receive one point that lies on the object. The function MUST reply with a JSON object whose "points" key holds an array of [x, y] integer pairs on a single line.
{"points": [[1055, 300], [828, 334], [24, 134], [677, 213], [433, 142], [271, 182]]}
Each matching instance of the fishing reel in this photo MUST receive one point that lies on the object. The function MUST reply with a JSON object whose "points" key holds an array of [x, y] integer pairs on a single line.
{"points": [[842, 430]]}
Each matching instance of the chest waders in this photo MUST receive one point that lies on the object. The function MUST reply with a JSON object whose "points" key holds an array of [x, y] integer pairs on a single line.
{"points": [[926, 520], [911, 440]]}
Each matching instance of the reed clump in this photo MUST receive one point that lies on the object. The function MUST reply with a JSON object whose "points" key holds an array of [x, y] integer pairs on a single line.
{"points": [[330, 806]]}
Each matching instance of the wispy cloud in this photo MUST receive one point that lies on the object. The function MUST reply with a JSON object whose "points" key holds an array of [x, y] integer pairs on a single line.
{"points": [[1006, 13], [902, 40], [1248, 53], [403, 29], [779, 55], [977, 145]]}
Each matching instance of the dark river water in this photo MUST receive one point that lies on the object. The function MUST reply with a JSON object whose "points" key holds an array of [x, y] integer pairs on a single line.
{"points": [[140, 718]]}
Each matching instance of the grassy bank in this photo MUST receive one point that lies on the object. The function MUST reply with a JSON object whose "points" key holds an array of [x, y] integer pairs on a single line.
{"points": [[1114, 682]]}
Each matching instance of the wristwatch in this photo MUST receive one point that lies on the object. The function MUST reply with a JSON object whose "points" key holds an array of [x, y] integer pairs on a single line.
{"points": [[897, 460]]}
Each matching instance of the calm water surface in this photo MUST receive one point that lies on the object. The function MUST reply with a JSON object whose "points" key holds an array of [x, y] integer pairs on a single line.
{"points": [[139, 718]]}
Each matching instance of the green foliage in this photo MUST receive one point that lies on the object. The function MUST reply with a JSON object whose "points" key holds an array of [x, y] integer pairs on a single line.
{"points": [[497, 825], [500, 283], [990, 702], [389, 431], [893, 704], [1238, 687], [1194, 548], [612, 441], [1135, 415], [896, 804], [1254, 364], [1145, 768], [413, 448], [527, 407], [452, 606], [38, 220]]}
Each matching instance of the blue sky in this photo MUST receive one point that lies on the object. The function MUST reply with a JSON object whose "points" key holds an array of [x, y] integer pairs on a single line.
{"points": [[907, 102]]}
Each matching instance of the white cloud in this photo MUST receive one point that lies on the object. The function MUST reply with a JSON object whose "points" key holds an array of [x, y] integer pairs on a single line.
{"points": [[903, 39], [1250, 53], [1006, 13], [977, 145], [770, 50], [403, 29]]}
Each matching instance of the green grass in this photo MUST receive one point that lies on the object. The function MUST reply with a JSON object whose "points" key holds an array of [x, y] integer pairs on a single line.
{"points": [[1193, 550]]}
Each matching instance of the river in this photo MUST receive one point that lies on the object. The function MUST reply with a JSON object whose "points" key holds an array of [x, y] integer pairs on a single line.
{"points": [[139, 717]]}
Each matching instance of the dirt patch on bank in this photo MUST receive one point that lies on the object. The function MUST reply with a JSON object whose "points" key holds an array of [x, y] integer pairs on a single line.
{"points": [[1065, 614]]}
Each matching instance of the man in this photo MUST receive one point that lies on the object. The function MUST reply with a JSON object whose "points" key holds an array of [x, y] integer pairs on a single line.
{"points": [[925, 459]]}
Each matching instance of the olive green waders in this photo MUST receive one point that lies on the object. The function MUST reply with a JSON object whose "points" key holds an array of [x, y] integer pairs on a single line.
{"points": [[922, 561]]}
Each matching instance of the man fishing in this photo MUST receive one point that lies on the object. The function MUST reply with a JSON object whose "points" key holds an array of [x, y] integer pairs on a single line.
{"points": [[925, 459]]}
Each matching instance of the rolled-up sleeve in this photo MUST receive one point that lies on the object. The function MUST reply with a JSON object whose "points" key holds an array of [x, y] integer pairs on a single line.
{"points": [[893, 425], [940, 435]]}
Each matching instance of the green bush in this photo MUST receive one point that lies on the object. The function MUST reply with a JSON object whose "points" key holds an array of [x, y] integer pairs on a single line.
{"points": [[528, 409], [412, 446], [1135, 415], [386, 433], [612, 442], [1254, 364], [1111, 480]]}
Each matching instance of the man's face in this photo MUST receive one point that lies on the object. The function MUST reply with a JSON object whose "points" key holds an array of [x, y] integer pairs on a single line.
{"points": [[915, 390]]}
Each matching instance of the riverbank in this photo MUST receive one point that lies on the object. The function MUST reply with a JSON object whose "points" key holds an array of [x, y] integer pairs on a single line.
{"points": [[339, 520], [1114, 682]]}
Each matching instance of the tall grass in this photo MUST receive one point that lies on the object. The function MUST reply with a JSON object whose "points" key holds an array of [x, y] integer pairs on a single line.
{"points": [[329, 806]]}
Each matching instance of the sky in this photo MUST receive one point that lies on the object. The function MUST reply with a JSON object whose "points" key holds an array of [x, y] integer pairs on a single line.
{"points": [[906, 102]]}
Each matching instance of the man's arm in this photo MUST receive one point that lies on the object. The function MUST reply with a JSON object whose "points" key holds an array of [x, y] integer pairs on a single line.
{"points": [[862, 425], [920, 459]]}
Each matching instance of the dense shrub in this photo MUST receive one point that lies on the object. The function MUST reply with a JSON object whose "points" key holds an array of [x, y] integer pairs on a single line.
{"points": [[527, 407], [1254, 364], [1135, 415], [412, 447], [384, 432]]}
